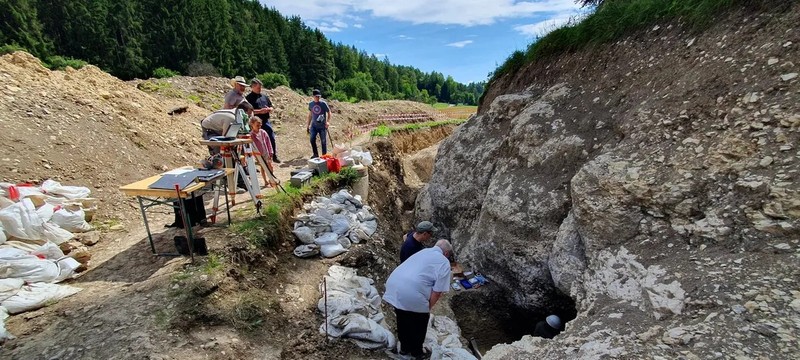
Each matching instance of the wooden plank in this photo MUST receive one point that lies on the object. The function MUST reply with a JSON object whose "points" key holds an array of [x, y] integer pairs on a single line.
{"points": [[140, 188]]}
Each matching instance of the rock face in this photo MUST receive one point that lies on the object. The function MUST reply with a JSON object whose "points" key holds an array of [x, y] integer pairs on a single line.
{"points": [[653, 183]]}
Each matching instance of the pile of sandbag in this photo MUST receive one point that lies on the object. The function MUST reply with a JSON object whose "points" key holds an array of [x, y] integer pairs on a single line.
{"points": [[34, 222], [50, 212], [443, 340], [353, 309], [331, 225]]}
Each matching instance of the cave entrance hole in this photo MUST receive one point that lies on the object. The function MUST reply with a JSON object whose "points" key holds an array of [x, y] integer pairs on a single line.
{"points": [[490, 317]]}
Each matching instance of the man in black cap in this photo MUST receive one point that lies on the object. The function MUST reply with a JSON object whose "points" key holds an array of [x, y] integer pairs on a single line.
{"points": [[415, 240], [263, 107], [319, 117]]}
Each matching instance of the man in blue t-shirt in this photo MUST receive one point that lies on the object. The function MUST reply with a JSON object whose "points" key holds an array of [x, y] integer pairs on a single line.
{"points": [[415, 240], [319, 117]]}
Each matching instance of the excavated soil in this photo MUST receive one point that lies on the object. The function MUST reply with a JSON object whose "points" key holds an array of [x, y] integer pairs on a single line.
{"points": [[84, 127]]}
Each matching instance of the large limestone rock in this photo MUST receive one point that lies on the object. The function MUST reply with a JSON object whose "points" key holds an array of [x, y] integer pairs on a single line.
{"points": [[660, 193]]}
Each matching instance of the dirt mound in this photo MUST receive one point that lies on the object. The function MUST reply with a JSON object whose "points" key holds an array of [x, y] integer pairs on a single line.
{"points": [[88, 128]]}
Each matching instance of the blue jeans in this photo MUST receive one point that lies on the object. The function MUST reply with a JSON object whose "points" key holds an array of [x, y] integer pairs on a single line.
{"points": [[322, 138]]}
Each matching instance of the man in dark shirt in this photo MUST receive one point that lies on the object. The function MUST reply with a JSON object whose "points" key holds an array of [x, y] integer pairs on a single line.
{"points": [[415, 240], [263, 107], [548, 328]]}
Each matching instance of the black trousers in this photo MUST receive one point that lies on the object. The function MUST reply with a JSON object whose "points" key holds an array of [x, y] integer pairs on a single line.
{"points": [[195, 208], [411, 329]]}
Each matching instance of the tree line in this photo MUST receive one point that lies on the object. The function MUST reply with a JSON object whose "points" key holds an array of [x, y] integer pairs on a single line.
{"points": [[135, 38]]}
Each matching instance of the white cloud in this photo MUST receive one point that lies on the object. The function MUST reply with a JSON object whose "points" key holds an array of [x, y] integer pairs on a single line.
{"points": [[543, 27], [404, 37], [358, 26], [460, 44], [445, 12], [328, 27]]}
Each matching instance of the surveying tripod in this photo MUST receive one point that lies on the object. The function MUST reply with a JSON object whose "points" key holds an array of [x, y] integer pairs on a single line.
{"points": [[230, 153]]}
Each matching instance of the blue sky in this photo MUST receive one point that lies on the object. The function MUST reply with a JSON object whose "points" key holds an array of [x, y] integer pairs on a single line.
{"points": [[466, 39]]}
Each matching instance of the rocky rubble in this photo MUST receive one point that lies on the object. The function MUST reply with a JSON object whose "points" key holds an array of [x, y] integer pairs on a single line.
{"points": [[654, 182]]}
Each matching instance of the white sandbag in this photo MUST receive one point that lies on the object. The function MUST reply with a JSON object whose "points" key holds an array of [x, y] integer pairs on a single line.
{"points": [[26, 191], [366, 158], [48, 251], [365, 332], [72, 221], [4, 334], [330, 251], [56, 234], [45, 211], [369, 227], [22, 221], [7, 253], [10, 287], [338, 272], [28, 246], [328, 238], [364, 215], [69, 192], [452, 341], [32, 269], [37, 295], [306, 251], [340, 224], [345, 242], [342, 197], [305, 234], [5, 202], [2, 234], [335, 208], [446, 353], [324, 213]]}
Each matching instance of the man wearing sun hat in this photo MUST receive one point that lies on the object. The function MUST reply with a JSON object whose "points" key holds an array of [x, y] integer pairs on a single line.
{"points": [[235, 97]]}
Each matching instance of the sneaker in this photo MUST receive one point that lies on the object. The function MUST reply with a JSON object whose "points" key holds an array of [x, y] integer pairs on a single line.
{"points": [[276, 160], [241, 191]]}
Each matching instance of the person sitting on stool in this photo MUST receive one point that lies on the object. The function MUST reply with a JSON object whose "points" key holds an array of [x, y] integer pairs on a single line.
{"points": [[549, 328]]}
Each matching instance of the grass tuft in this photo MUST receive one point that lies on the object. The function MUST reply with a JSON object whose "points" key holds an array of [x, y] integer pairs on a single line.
{"points": [[385, 130], [617, 18]]}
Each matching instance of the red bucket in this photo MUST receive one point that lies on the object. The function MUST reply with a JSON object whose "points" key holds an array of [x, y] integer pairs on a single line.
{"points": [[334, 165]]}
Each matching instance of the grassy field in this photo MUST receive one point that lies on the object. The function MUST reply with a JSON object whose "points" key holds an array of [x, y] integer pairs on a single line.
{"points": [[386, 130], [617, 18], [440, 106]]}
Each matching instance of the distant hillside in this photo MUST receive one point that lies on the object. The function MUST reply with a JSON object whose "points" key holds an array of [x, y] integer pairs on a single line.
{"points": [[132, 38]]}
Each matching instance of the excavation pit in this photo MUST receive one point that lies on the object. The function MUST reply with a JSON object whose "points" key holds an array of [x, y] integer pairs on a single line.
{"points": [[488, 315]]}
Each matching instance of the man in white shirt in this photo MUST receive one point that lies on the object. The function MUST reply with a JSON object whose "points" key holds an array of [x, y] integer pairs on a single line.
{"points": [[413, 289]]}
